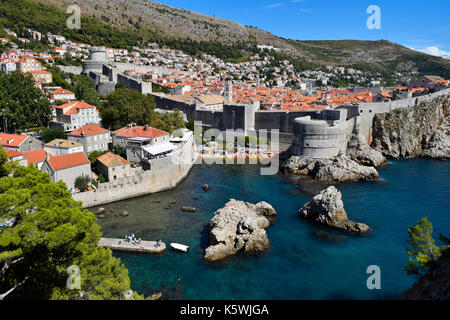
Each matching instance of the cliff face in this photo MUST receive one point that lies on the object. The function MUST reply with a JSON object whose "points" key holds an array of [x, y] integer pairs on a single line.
{"points": [[422, 130], [435, 284]]}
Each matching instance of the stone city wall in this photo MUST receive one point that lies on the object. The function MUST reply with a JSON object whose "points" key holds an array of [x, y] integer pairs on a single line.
{"points": [[165, 174]]}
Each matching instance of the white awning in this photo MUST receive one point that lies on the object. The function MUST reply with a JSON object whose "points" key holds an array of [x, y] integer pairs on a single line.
{"points": [[159, 148]]}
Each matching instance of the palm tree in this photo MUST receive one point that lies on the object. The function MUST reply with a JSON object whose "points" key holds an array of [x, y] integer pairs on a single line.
{"points": [[4, 113]]}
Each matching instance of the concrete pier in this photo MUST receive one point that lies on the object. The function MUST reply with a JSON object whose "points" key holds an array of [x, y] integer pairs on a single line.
{"points": [[122, 245]]}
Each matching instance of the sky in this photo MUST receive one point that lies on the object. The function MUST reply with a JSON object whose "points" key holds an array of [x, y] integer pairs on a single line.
{"points": [[417, 24]]}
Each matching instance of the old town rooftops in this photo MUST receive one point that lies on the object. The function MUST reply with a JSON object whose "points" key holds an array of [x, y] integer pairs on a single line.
{"points": [[133, 131], [88, 130], [67, 160]]}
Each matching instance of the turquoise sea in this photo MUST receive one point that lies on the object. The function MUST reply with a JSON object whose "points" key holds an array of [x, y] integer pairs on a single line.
{"points": [[306, 261]]}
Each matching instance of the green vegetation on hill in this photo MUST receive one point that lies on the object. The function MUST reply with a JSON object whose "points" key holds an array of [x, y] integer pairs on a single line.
{"points": [[119, 26], [46, 18]]}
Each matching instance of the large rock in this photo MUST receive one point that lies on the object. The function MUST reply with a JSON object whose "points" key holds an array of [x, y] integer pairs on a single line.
{"points": [[407, 132], [328, 208], [439, 145], [338, 169], [239, 227], [359, 151]]}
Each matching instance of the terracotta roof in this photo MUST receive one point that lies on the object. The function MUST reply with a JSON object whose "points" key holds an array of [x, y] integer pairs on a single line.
{"points": [[40, 71], [62, 91], [35, 156], [74, 106], [12, 140], [139, 131], [13, 153], [62, 143], [87, 130], [112, 160], [67, 161]]}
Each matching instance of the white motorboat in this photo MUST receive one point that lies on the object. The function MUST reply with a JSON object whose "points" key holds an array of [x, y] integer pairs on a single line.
{"points": [[180, 247]]}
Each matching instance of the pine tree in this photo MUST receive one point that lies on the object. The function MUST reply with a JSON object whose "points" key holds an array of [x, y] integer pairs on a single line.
{"points": [[423, 251], [51, 233]]}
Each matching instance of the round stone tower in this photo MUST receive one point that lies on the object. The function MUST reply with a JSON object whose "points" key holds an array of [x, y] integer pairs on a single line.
{"points": [[98, 57]]}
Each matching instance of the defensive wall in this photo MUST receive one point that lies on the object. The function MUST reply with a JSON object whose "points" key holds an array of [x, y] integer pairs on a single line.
{"points": [[165, 174], [367, 111]]}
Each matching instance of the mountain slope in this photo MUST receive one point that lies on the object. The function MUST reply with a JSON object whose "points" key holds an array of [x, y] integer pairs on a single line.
{"points": [[157, 22]]}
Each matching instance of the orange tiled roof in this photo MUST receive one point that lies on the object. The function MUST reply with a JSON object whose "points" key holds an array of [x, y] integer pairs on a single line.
{"points": [[112, 160], [62, 91], [13, 153], [87, 130], [35, 156], [12, 140], [139, 131], [68, 160], [74, 106]]}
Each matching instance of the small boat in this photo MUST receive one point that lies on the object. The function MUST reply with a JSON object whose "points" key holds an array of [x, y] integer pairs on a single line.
{"points": [[180, 247]]}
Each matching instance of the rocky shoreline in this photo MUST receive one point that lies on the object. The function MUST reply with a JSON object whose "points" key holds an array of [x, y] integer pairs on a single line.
{"points": [[358, 164], [239, 227], [328, 208], [419, 131]]}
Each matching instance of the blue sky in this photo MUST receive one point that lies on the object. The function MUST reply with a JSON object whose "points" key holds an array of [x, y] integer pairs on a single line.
{"points": [[421, 25]]}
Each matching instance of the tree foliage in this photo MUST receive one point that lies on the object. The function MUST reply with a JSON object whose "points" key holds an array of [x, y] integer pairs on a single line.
{"points": [[423, 250], [4, 170], [53, 133], [24, 104], [51, 233], [82, 182], [124, 106]]}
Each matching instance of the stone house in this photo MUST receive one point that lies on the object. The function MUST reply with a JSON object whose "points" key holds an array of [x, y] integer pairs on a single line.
{"points": [[425, 81], [19, 142], [67, 167], [59, 147], [62, 95], [92, 137], [76, 114], [112, 166], [134, 138], [41, 76]]}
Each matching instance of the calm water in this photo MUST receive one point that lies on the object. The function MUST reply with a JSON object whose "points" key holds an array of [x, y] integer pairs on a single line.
{"points": [[306, 261]]}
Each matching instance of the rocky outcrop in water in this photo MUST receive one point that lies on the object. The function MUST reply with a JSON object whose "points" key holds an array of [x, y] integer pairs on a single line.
{"points": [[435, 284], [359, 151], [421, 130], [239, 227], [328, 208], [338, 169]]}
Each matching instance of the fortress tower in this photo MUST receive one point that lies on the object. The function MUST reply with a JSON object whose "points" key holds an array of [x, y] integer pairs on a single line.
{"points": [[228, 92], [98, 57]]}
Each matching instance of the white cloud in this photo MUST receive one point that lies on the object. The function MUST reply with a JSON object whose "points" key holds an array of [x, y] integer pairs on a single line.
{"points": [[435, 51], [275, 5], [280, 4], [305, 10]]}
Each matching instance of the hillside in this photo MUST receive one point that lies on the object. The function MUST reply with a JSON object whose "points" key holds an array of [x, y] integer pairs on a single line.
{"points": [[127, 22]]}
